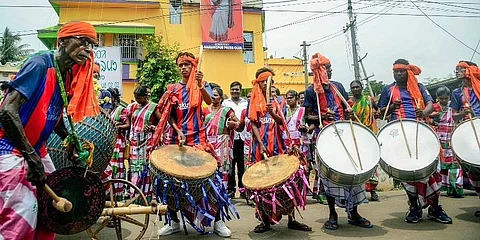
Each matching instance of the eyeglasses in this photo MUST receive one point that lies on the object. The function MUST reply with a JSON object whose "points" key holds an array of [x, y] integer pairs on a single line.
{"points": [[86, 42]]}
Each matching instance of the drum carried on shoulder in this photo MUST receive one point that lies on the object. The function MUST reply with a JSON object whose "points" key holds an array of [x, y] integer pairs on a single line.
{"points": [[465, 146], [278, 185], [410, 150], [99, 130], [348, 153], [187, 179]]}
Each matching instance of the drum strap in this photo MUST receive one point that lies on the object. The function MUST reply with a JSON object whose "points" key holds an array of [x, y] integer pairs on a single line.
{"points": [[84, 156]]}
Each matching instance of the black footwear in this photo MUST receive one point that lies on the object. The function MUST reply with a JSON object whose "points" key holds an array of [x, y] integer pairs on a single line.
{"points": [[373, 196], [436, 213], [413, 215], [231, 194]]}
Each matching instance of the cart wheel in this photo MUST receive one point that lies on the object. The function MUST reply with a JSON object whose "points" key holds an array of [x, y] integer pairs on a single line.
{"points": [[117, 221]]}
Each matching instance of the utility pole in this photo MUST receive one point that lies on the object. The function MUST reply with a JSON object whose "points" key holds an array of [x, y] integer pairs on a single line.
{"points": [[305, 61], [367, 78], [351, 25]]}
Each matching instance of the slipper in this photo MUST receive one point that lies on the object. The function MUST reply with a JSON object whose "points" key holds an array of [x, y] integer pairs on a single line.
{"points": [[362, 222], [330, 225], [261, 228], [299, 226], [477, 213]]}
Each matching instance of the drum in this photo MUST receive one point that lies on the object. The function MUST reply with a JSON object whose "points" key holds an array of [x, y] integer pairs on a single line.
{"points": [[395, 159], [277, 185], [99, 130], [84, 191], [465, 147], [187, 179], [335, 163]]}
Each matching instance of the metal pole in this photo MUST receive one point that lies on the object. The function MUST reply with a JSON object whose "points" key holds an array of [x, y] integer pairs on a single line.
{"points": [[367, 78], [354, 41], [305, 62]]}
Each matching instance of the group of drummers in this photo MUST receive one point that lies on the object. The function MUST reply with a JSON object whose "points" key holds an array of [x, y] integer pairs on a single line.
{"points": [[273, 137]]}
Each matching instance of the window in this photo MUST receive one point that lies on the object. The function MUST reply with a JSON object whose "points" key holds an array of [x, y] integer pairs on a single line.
{"points": [[175, 11], [129, 46], [101, 40], [248, 56]]}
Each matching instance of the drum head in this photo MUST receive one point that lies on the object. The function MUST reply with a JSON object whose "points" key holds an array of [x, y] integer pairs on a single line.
{"points": [[183, 162], [394, 149], [271, 172], [464, 143], [333, 154], [87, 196]]}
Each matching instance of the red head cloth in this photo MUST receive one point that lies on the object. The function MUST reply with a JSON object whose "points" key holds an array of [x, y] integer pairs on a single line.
{"points": [[258, 103], [412, 82], [77, 28], [472, 73], [192, 86], [84, 101], [320, 76]]}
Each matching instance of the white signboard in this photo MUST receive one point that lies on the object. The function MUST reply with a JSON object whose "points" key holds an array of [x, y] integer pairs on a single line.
{"points": [[110, 62]]}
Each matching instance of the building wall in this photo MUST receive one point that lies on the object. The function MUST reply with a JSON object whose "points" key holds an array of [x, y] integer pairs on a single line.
{"points": [[289, 74], [8, 71], [219, 66]]}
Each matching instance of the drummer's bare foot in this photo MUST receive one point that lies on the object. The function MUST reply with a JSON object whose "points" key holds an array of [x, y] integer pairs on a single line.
{"points": [[261, 228], [299, 226]]}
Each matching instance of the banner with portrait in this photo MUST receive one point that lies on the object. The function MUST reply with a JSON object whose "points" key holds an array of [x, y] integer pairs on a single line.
{"points": [[222, 24]]}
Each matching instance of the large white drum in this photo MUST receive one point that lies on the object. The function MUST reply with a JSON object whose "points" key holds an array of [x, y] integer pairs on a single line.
{"points": [[465, 146], [335, 163], [395, 159]]}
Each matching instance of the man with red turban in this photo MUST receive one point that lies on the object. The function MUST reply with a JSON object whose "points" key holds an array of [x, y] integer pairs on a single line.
{"points": [[411, 100], [466, 101], [325, 97], [31, 111]]}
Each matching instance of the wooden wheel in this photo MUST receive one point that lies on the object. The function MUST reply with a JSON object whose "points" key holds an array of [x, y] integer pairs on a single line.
{"points": [[116, 221]]}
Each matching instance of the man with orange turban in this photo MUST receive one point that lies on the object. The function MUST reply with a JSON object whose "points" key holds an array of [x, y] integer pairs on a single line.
{"points": [[324, 97], [466, 101], [410, 100], [31, 111], [267, 128]]}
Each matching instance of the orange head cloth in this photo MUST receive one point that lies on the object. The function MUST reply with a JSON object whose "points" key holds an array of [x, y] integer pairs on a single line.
{"points": [[320, 76], [412, 82], [96, 68], [192, 86], [472, 73], [76, 28], [83, 102], [258, 103]]}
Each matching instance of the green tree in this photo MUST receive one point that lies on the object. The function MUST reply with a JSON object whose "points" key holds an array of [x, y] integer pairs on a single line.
{"points": [[159, 67], [10, 48], [377, 87]]}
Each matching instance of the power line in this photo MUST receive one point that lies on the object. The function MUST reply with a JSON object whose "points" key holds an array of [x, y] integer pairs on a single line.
{"points": [[445, 30]]}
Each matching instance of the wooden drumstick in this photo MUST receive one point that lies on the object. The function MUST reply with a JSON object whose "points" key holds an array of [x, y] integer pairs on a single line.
{"points": [[356, 144], [345, 147], [388, 106], [473, 125], [61, 204], [404, 134], [345, 102], [200, 58], [416, 132]]}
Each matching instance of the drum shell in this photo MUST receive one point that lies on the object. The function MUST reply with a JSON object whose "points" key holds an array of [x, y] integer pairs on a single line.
{"points": [[467, 165], [344, 179], [99, 130], [408, 175]]}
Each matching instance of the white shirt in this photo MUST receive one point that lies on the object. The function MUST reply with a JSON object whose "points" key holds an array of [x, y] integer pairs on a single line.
{"points": [[237, 108]]}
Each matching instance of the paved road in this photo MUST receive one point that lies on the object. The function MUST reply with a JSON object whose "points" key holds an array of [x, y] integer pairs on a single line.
{"points": [[387, 216]]}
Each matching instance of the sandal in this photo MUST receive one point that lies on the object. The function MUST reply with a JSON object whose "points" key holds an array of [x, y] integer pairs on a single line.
{"points": [[299, 226], [361, 222], [477, 213], [330, 225], [261, 228]]}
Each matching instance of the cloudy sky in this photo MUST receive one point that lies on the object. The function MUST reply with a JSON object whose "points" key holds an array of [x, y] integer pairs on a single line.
{"points": [[402, 31]]}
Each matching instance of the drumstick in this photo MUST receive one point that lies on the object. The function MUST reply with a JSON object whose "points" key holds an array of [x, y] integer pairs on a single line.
{"points": [[356, 144], [345, 147], [345, 102], [473, 126], [61, 204], [388, 106], [200, 58], [319, 114], [417, 103], [404, 134]]}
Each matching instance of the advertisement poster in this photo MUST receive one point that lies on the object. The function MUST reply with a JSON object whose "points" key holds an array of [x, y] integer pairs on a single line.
{"points": [[222, 24], [110, 62]]}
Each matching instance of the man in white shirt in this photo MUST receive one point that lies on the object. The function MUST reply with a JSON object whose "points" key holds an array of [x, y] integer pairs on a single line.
{"points": [[238, 104]]}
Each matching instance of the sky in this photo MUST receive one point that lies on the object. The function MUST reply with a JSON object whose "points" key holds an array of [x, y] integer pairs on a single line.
{"points": [[385, 38]]}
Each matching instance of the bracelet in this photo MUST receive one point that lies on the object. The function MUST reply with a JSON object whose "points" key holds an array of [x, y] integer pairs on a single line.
{"points": [[25, 153], [201, 87]]}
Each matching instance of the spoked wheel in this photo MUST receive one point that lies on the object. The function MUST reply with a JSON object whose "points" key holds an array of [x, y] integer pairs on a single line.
{"points": [[111, 220]]}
